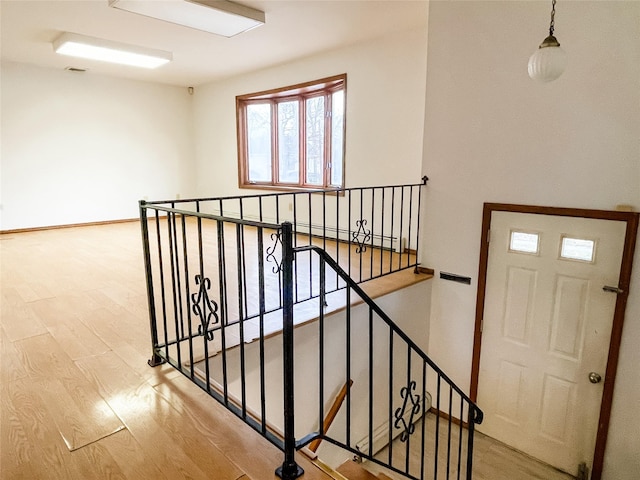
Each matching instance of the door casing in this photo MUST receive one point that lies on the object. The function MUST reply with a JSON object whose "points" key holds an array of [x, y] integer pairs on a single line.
{"points": [[631, 219]]}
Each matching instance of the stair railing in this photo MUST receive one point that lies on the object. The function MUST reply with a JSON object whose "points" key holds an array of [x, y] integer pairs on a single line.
{"points": [[223, 293], [389, 392]]}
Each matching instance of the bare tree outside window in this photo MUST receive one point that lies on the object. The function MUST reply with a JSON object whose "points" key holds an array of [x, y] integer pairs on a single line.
{"points": [[259, 142], [288, 142]]}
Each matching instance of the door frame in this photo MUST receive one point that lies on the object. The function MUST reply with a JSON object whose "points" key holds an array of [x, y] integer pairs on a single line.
{"points": [[631, 219]]}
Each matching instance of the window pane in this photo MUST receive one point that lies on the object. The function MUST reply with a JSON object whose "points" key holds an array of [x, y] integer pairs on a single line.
{"points": [[259, 142], [524, 242], [577, 249], [288, 142], [315, 140], [337, 137]]}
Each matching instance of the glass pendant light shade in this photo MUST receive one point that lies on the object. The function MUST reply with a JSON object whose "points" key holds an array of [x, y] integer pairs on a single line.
{"points": [[548, 62]]}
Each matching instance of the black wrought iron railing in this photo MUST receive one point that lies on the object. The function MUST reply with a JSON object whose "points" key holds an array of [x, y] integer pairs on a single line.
{"points": [[402, 410], [226, 286]]}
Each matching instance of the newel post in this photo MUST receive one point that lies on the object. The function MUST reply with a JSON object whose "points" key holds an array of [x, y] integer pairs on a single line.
{"points": [[155, 360], [289, 470]]}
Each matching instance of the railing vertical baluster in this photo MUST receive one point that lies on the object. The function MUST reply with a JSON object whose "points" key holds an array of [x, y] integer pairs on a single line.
{"points": [[338, 196], [460, 434], [224, 315], [410, 222], [361, 226], [295, 244], [163, 292], [243, 266], [280, 286], [348, 365], [324, 221], [289, 469], [408, 439], [423, 417], [370, 433], [391, 409], [349, 239], [175, 281], [373, 230], [321, 349], [310, 243], [402, 249], [471, 422], [241, 315], [418, 215], [393, 214], [183, 223], [261, 302], [382, 249], [437, 434], [449, 427], [155, 358]]}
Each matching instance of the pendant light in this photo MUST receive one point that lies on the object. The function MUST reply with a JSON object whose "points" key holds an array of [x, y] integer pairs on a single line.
{"points": [[549, 61]]}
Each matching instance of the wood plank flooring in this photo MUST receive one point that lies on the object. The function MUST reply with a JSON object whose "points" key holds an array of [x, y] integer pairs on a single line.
{"points": [[77, 398]]}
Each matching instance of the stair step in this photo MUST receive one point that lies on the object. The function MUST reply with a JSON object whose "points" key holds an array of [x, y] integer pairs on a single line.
{"points": [[354, 471]]}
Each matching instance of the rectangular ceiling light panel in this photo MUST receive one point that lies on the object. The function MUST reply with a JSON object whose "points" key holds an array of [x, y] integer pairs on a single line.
{"points": [[214, 16], [81, 46]]}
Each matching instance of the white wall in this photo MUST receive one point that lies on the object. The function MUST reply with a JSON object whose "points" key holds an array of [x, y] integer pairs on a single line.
{"points": [[494, 135], [385, 112], [79, 147]]}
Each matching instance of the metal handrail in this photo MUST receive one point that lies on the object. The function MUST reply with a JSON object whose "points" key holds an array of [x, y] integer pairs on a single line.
{"points": [[474, 413], [188, 312]]}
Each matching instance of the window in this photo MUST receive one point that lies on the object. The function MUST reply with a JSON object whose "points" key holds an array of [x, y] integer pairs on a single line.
{"points": [[293, 137], [580, 249], [524, 242]]}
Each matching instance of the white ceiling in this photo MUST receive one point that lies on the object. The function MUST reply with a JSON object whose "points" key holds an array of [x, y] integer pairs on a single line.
{"points": [[293, 29]]}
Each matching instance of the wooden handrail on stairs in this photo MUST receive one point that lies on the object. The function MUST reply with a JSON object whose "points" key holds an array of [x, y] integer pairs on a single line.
{"points": [[331, 415]]}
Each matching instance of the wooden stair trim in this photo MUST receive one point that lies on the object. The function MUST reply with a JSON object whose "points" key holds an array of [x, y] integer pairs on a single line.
{"points": [[331, 415]]}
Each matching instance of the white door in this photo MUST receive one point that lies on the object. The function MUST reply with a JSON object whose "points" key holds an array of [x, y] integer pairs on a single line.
{"points": [[546, 327]]}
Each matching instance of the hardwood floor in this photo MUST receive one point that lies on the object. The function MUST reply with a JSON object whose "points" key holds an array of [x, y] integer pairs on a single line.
{"points": [[77, 398]]}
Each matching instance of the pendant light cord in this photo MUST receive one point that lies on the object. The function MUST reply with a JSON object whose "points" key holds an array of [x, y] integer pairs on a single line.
{"points": [[553, 14]]}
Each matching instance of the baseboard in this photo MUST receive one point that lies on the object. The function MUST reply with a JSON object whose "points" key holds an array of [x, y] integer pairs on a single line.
{"points": [[67, 225]]}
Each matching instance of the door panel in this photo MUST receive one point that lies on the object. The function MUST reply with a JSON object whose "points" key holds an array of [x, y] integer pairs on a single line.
{"points": [[546, 325]]}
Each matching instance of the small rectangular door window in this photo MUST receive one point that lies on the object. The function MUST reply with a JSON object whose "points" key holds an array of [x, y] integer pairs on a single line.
{"points": [[524, 242], [580, 249]]}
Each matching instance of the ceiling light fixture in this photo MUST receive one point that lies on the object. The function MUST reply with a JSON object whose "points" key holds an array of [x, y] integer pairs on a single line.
{"points": [[214, 16], [549, 61], [76, 45]]}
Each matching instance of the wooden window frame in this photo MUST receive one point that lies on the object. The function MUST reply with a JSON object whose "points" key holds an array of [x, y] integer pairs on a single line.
{"points": [[300, 92]]}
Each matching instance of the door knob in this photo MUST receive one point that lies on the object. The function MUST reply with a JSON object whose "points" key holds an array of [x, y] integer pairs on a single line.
{"points": [[594, 377]]}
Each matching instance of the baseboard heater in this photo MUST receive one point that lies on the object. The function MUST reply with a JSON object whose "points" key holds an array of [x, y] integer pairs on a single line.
{"points": [[381, 432], [385, 242]]}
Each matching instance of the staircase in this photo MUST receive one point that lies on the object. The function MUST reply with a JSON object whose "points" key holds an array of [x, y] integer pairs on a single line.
{"points": [[218, 278]]}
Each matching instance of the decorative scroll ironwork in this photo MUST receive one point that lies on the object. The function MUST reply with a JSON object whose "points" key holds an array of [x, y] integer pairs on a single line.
{"points": [[209, 307], [366, 236], [410, 401], [277, 239]]}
